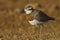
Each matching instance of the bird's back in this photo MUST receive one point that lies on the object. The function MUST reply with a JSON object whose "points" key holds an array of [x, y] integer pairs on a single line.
{"points": [[41, 16]]}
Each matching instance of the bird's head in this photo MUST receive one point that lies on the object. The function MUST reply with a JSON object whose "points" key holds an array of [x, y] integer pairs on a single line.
{"points": [[28, 10]]}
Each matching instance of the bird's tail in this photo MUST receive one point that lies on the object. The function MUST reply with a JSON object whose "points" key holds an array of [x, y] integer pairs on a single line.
{"points": [[51, 18]]}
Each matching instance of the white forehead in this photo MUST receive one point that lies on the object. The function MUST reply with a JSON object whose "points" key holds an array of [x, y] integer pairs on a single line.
{"points": [[29, 8]]}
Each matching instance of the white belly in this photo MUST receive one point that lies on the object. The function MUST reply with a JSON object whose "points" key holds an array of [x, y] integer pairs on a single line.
{"points": [[34, 22]]}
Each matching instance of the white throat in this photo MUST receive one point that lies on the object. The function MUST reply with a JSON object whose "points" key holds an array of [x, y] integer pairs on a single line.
{"points": [[28, 12]]}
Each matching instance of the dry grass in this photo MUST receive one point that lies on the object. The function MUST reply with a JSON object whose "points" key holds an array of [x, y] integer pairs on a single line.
{"points": [[14, 24]]}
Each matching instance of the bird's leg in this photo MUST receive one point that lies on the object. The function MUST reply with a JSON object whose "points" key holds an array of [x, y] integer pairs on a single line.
{"points": [[41, 26], [40, 29]]}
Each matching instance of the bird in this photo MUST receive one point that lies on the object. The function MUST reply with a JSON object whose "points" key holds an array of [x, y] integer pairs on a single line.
{"points": [[39, 17]]}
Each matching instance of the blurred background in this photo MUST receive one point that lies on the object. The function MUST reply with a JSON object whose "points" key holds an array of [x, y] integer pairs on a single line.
{"points": [[14, 22]]}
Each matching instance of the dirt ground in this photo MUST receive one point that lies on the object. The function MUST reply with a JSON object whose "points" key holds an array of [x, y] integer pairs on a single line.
{"points": [[14, 23]]}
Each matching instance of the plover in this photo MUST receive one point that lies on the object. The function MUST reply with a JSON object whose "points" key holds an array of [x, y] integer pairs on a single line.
{"points": [[39, 17]]}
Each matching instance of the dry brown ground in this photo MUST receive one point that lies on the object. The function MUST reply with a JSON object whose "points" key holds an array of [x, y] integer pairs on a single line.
{"points": [[14, 25]]}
